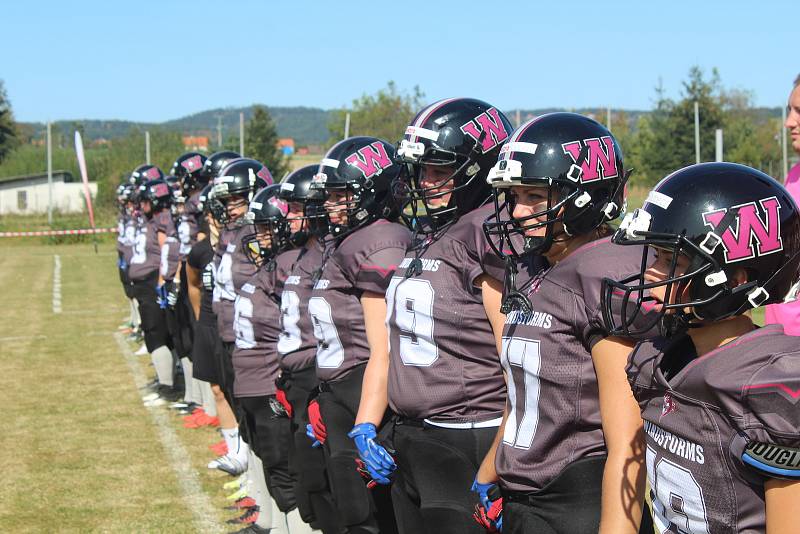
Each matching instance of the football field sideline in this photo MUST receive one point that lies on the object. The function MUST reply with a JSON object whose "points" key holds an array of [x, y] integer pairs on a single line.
{"points": [[80, 451]]}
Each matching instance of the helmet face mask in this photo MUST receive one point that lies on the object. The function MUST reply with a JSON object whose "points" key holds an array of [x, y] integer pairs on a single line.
{"points": [[154, 196], [235, 187], [462, 135], [739, 231], [266, 215]]}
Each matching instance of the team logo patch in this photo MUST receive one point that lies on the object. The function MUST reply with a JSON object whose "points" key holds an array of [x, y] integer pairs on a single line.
{"points": [[371, 159], [152, 173], [280, 204], [265, 175], [750, 234], [669, 405], [596, 158], [490, 125], [192, 164]]}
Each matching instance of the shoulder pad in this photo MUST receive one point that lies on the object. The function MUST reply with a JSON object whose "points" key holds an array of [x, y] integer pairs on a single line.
{"points": [[775, 461]]}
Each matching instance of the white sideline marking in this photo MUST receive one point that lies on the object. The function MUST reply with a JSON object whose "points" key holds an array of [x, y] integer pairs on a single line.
{"points": [[56, 284], [203, 511]]}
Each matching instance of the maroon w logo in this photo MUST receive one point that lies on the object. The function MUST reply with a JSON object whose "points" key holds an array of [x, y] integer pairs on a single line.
{"points": [[599, 161], [489, 122], [749, 226], [371, 159]]}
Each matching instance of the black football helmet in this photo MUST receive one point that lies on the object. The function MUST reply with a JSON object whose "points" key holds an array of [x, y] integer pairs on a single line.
{"points": [[158, 193], [240, 178], [365, 168], [146, 172], [189, 170], [295, 188], [462, 134], [721, 217], [215, 163], [267, 214], [580, 164]]}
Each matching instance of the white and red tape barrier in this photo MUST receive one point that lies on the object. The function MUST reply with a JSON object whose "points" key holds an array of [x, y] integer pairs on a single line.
{"points": [[46, 233]]}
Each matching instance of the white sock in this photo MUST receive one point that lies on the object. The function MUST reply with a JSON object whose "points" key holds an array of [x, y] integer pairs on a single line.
{"points": [[260, 492], [137, 319], [188, 394], [207, 396], [162, 361], [295, 523], [237, 448], [134, 312]]}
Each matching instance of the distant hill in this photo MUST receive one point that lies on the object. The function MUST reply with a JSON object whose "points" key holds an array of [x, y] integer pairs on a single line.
{"points": [[306, 125]]}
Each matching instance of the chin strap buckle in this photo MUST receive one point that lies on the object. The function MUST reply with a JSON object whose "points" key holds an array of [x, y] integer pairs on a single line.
{"points": [[710, 243], [757, 297], [715, 279]]}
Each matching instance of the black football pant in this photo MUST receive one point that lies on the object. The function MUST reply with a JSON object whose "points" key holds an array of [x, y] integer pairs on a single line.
{"points": [[180, 319], [436, 467], [362, 511], [307, 464], [268, 434], [154, 323], [569, 504]]}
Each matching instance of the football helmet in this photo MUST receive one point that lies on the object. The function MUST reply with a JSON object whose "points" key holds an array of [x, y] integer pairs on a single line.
{"points": [[722, 217], [577, 161], [267, 214], [295, 188], [464, 136], [189, 170], [240, 178], [158, 193], [215, 162], [146, 172], [364, 168]]}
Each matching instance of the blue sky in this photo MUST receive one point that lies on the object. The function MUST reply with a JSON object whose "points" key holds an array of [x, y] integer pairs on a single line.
{"points": [[154, 61]]}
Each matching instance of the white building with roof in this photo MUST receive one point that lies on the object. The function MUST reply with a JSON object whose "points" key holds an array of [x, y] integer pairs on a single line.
{"points": [[29, 194]]}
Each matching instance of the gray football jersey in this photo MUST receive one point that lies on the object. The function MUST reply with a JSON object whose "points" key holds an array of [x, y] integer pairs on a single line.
{"points": [[364, 261], [232, 270], [444, 362], [126, 236], [256, 324], [146, 258], [297, 345], [554, 410], [189, 224], [701, 418]]}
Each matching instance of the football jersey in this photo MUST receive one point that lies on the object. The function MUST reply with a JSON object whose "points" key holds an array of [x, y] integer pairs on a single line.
{"points": [[146, 258], [170, 257], [189, 224], [701, 418], [126, 236], [364, 261], [232, 269], [444, 362], [297, 345], [554, 409], [256, 324], [201, 258]]}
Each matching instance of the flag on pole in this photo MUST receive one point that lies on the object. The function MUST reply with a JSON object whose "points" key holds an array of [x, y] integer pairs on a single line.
{"points": [[84, 176]]}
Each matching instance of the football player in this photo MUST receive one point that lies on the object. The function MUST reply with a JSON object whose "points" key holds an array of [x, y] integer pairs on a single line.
{"points": [[347, 310], [234, 188], [444, 377], [255, 362], [145, 274], [566, 451], [718, 395], [126, 232], [297, 348]]}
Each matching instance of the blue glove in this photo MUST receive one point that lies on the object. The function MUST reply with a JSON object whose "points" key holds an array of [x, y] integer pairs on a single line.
{"points": [[482, 490], [378, 462], [310, 433], [122, 264], [161, 296]]}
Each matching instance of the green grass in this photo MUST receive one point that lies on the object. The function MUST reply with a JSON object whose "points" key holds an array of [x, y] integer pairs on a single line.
{"points": [[81, 453]]}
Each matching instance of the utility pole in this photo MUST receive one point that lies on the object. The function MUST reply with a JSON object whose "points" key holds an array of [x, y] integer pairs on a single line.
{"points": [[719, 144], [219, 131], [696, 131], [347, 125], [49, 174], [519, 118], [241, 133], [147, 147]]}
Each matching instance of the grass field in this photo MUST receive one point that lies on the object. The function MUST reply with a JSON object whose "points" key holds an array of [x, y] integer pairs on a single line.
{"points": [[81, 453]]}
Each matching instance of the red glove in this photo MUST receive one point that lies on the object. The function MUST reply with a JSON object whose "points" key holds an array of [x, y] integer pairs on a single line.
{"points": [[315, 418], [491, 519], [280, 395]]}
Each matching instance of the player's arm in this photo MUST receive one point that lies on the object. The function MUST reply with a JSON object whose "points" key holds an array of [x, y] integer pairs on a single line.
{"points": [[492, 292], [194, 289], [623, 476], [374, 389], [162, 240], [782, 500]]}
